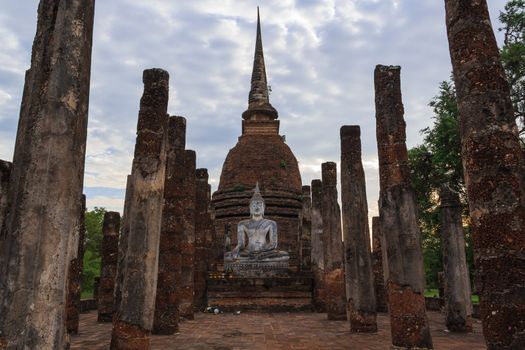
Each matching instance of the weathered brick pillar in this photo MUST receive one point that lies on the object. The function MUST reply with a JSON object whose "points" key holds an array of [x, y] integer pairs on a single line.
{"points": [[166, 311], [5, 173], [360, 294], [398, 217], [319, 297], [186, 236], [108, 265], [75, 275], [458, 305], [202, 234], [493, 165], [334, 272], [305, 239], [122, 248], [377, 266], [41, 228], [133, 320]]}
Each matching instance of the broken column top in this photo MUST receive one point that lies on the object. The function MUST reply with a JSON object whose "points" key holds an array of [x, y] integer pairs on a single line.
{"points": [[111, 223], [391, 135], [202, 173], [329, 173], [350, 138], [448, 197], [317, 190], [306, 191], [177, 132]]}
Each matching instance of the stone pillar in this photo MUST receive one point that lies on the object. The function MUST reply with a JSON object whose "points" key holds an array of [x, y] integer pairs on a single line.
{"points": [[75, 276], [334, 273], [202, 237], [177, 235], [377, 266], [493, 164], [398, 217], [41, 228], [186, 237], [458, 305], [319, 297], [108, 265], [134, 318], [122, 248], [5, 173], [360, 294], [305, 238]]}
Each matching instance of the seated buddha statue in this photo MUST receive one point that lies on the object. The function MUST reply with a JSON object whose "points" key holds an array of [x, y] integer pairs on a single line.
{"points": [[257, 236]]}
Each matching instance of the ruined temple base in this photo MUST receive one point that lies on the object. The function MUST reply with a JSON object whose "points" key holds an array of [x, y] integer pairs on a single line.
{"points": [[263, 294], [271, 331]]}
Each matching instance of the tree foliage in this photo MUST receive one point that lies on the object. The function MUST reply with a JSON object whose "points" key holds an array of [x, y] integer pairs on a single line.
{"points": [[434, 163], [513, 57], [92, 244]]}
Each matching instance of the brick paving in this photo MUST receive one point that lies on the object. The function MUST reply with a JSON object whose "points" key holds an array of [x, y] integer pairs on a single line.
{"points": [[275, 331]]}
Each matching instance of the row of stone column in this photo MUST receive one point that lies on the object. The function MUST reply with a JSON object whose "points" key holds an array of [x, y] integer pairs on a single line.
{"points": [[166, 225]]}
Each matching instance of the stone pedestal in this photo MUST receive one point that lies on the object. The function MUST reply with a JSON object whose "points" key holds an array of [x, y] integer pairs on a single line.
{"points": [[254, 269], [264, 294]]}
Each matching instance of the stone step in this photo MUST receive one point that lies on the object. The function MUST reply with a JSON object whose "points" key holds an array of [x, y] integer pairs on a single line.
{"points": [[269, 294], [259, 294]]}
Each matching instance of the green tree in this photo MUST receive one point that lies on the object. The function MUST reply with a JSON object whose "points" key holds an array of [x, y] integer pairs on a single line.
{"points": [[513, 57], [437, 161], [92, 243]]}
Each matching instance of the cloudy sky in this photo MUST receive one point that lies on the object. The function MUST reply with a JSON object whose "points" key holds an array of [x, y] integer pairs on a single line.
{"points": [[320, 56]]}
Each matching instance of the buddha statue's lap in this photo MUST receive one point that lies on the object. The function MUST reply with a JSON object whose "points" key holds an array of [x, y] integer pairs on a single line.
{"points": [[256, 237]]}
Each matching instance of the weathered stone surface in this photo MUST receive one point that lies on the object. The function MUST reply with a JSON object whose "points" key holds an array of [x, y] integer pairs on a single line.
{"points": [[398, 217], [108, 265], [377, 266], [493, 166], [134, 316], [319, 295], [360, 294], [186, 237], [5, 174], [305, 234], [333, 251], [41, 229], [169, 272], [458, 305], [203, 233], [76, 266], [122, 248]]}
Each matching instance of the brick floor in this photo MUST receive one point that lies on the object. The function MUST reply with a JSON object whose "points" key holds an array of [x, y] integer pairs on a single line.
{"points": [[276, 331]]}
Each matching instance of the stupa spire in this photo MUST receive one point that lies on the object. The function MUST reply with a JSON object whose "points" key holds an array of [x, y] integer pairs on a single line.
{"points": [[259, 100]]}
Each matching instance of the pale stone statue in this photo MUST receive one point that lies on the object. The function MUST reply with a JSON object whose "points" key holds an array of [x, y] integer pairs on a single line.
{"points": [[256, 237]]}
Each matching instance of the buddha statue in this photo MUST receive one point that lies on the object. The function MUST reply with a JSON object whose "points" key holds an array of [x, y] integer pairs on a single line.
{"points": [[256, 237]]}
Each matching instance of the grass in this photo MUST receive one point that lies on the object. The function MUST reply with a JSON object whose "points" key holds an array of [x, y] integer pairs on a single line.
{"points": [[434, 293]]}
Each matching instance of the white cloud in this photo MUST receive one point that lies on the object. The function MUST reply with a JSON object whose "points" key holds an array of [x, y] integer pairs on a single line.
{"points": [[320, 58]]}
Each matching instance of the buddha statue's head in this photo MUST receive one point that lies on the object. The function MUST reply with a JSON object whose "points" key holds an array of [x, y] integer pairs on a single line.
{"points": [[257, 203]]}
